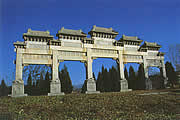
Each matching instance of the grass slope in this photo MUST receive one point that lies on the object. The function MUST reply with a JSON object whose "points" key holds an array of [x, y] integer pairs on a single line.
{"points": [[118, 106]]}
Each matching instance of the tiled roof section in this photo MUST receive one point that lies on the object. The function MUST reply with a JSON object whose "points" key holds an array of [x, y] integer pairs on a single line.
{"points": [[19, 43], [151, 44], [55, 40], [37, 33], [71, 32], [130, 38], [103, 30]]}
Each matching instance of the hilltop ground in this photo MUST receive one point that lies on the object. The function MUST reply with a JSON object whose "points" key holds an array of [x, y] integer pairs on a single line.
{"points": [[135, 105]]}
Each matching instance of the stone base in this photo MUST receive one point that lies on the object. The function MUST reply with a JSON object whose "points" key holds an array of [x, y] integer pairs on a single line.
{"points": [[165, 82], [92, 92], [17, 89], [91, 86], [55, 94], [124, 86], [55, 88], [23, 95], [126, 90], [148, 83]]}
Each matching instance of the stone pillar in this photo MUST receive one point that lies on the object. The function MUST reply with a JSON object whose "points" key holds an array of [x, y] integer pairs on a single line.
{"points": [[55, 85], [18, 83], [163, 73], [91, 83], [148, 82], [123, 81]]}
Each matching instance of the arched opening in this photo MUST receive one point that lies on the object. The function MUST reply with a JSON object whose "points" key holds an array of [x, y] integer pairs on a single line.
{"points": [[106, 74], [132, 75], [77, 75], [37, 79], [156, 77]]}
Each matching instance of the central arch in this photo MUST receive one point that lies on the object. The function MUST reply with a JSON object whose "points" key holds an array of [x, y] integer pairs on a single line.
{"points": [[76, 70]]}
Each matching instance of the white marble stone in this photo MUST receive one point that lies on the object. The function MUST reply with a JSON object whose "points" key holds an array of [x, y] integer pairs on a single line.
{"points": [[75, 50], [55, 88], [91, 86], [18, 89]]}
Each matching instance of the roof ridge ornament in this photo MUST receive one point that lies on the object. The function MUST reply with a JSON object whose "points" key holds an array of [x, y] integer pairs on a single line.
{"points": [[29, 30]]}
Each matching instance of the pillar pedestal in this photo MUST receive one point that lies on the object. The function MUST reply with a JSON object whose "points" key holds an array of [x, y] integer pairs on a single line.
{"points": [[165, 82], [55, 88], [148, 84], [91, 86], [124, 86], [18, 89]]}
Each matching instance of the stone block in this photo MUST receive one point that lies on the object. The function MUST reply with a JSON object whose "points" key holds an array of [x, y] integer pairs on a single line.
{"points": [[91, 86], [124, 86], [17, 89], [148, 83], [55, 88]]}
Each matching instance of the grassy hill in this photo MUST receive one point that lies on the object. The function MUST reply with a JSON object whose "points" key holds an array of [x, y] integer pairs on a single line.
{"points": [[104, 106]]}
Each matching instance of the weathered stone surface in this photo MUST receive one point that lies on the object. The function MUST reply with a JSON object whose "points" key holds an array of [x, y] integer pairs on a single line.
{"points": [[148, 83], [55, 88], [39, 47], [18, 89], [124, 86], [91, 86]]}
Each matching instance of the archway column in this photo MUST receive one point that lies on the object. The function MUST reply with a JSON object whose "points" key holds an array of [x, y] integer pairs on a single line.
{"points": [[91, 83], [123, 81], [163, 73], [55, 85], [18, 83], [148, 82]]}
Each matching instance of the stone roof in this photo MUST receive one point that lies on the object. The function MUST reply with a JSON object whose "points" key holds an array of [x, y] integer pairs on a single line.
{"points": [[130, 38], [103, 30], [71, 32], [54, 40], [38, 33], [151, 44], [19, 43]]}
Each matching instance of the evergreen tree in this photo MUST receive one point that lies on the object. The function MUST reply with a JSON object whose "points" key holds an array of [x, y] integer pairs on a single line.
{"points": [[99, 79], [3, 89], [29, 81], [132, 78], [171, 74], [41, 85], [47, 83], [29, 88], [115, 85], [66, 83], [94, 76], [126, 73], [35, 88], [106, 80], [141, 78], [84, 87]]}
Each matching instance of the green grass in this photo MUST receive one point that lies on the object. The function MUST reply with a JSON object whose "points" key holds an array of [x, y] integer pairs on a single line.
{"points": [[110, 106]]}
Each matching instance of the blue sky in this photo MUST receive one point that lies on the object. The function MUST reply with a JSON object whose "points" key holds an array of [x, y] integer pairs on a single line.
{"points": [[150, 20]]}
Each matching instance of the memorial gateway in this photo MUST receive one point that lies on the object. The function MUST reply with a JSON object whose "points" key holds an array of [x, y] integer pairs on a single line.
{"points": [[39, 47]]}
